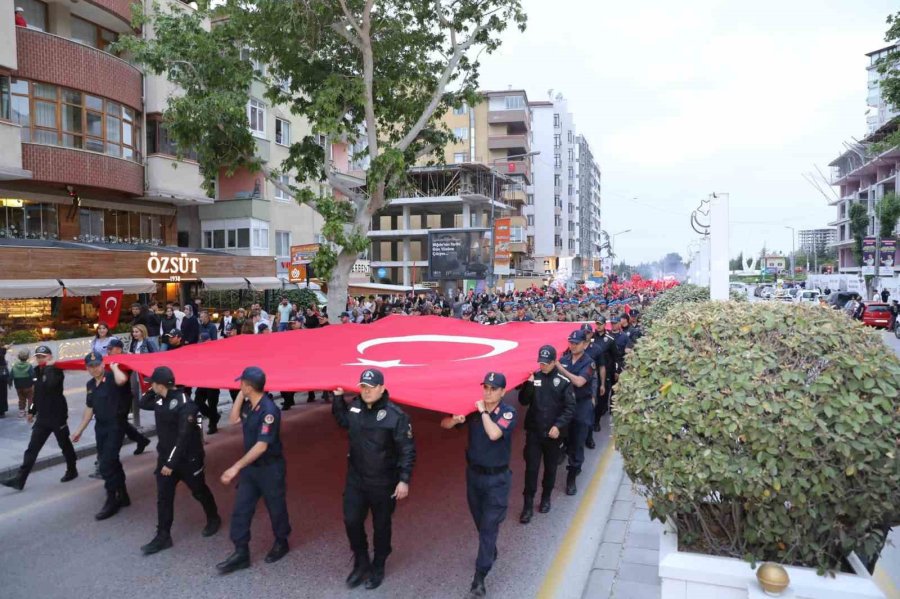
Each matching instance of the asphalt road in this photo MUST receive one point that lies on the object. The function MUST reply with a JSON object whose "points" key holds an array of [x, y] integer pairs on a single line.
{"points": [[52, 546]]}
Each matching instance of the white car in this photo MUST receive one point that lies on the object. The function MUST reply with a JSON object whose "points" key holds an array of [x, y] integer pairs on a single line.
{"points": [[808, 296]]}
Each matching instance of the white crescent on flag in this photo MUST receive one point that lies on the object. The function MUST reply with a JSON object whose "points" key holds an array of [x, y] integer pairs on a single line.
{"points": [[114, 300], [498, 346]]}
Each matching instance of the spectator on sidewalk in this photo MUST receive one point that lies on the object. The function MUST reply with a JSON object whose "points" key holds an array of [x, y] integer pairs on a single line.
{"points": [[208, 327], [284, 314], [168, 323], [5, 383], [101, 340], [23, 381], [141, 314], [140, 343], [190, 326]]}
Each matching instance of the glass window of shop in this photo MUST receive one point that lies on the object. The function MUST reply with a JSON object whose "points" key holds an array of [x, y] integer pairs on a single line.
{"points": [[59, 116], [98, 225], [24, 219]]}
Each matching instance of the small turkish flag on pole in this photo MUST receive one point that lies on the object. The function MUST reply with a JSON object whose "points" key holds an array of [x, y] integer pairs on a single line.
{"points": [[110, 306]]}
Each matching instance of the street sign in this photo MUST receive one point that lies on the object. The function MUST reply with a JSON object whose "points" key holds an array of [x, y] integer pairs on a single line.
{"points": [[301, 256]]}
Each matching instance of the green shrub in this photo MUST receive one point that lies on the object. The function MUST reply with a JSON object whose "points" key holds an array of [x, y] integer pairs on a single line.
{"points": [[21, 337], [683, 294], [765, 431]]}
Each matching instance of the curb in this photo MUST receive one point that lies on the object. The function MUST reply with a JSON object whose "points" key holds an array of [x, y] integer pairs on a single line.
{"points": [[82, 451]]}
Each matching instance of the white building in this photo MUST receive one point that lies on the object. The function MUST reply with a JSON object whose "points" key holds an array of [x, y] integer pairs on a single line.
{"points": [[878, 112], [588, 173]]}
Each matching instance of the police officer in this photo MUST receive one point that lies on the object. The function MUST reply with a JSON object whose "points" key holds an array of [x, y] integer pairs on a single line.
{"points": [[551, 401], [603, 350], [261, 470], [180, 456], [380, 462], [578, 367], [108, 402], [52, 413], [115, 348], [521, 316], [488, 476]]}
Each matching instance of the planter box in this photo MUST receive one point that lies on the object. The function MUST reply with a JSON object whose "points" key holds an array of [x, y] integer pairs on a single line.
{"points": [[696, 576]]}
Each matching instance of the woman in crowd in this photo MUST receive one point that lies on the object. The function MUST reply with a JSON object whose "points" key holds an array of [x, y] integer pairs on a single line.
{"points": [[140, 343], [101, 340]]}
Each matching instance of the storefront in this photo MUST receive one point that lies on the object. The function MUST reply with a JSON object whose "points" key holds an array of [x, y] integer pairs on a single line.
{"points": [[52, 288]]}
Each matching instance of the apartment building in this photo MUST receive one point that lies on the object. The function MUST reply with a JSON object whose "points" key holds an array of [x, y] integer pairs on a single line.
{"points": [[878, 112], [588, 223], [815, 241]]}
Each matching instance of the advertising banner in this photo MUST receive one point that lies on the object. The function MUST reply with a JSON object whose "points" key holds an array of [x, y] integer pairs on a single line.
{"points": [[301, 256], [501, 249], [888, 253], [868, 256], [458, 254]]}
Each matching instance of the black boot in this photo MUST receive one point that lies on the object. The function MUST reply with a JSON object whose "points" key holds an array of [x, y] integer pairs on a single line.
{"points": [[377, 575], [544, 507], [477, 589], [279, 550], [238, 560], [571, 488], [17, 482], [597, 427], [161, 541], [527, 511], [212, 526], [142, 444], [361, 567], [124, 499], [71, 474], [311, 397], [110, 508], [213, 426]]}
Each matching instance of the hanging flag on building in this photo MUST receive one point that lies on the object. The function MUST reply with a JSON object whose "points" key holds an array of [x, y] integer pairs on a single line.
{"points": [[110, 307]]}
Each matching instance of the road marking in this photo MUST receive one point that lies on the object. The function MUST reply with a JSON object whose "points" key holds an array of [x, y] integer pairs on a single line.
{"points": [[553, 579], [885, 584]]}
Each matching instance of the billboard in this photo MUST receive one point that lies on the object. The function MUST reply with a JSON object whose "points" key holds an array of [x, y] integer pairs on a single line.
{"points": [[501, 249], [458, 254], [868, 256], [301, 256], [888, 253]]}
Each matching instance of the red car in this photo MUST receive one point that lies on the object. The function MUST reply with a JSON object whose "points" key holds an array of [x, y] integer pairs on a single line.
{"points": [[877, 314]]}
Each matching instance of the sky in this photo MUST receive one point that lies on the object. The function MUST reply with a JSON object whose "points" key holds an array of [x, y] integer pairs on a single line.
{"points": [[682, 99]]}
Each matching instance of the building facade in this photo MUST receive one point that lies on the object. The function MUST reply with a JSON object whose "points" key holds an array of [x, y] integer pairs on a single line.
{"points": [[815, 241], [588, 225], [878, 112]]}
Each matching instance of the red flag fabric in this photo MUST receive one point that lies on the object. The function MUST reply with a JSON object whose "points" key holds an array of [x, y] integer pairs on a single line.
{"points": [[110, 307], [428, 361]]}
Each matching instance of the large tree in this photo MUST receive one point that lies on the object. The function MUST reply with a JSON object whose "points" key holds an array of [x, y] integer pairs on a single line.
{"points": [[376, 74]]}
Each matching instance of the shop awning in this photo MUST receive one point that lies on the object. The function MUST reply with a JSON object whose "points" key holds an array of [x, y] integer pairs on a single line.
{"points": [[87, 287], [30, 288], [265, 283], [293, 286], [224, 283]]}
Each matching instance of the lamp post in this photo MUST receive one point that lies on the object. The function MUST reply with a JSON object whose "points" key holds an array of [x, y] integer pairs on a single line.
{"points": [[492, 279], [793, 251], [612, 245]]}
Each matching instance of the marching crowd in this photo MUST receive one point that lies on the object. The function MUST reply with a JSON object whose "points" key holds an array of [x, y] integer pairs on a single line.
{"points": [[565, 397]]}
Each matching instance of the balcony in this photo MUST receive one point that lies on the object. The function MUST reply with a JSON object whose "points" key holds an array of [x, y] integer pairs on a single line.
{"points": [[49, 58], [514, 196], [11, 153], [82, 168], [119, 8], [508, 142], [514, 167], [174, 181], [518, 248], [498, 117]]}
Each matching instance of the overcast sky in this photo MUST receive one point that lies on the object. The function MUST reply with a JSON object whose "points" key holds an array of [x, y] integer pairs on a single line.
{"points": [[680, 99]]}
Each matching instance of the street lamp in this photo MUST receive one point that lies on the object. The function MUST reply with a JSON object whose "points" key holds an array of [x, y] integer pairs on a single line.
{"points": [[491, 280], [793, 251], [612, 241]]}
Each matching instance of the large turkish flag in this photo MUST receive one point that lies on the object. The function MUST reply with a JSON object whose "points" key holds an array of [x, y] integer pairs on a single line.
{"points": [[428, 361], [110, 307]]}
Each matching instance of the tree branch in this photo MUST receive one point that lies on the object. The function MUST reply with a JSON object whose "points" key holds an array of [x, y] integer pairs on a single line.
{"points": [[341, 30], [349, 16], [368, 78]]}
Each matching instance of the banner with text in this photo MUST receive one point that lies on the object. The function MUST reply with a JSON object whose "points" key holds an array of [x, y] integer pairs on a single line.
{"points": [[458, 254], [868, 256], [501, 247], [888, 253], [301, 256]]}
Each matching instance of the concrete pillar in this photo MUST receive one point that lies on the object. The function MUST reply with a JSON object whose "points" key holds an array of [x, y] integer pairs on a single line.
{"points": [[718, 246], [467, 216], [406, 217], [406, 263]]}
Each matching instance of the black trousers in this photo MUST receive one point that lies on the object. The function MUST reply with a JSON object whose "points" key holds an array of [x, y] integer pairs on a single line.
{"points": [[488, 497], [207, 401], [359, 500], [133, 433], [109, 442], [266, 481], [602, 406], [540, 448], [39, 435], [578, 433], [288, 397], [192, 475]]}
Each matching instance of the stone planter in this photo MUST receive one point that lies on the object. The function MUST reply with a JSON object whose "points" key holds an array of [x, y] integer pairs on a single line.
{"points": [[696, 576], [63, 349]]}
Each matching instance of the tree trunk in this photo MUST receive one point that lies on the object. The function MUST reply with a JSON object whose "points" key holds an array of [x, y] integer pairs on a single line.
{"points": [[337, 285]]}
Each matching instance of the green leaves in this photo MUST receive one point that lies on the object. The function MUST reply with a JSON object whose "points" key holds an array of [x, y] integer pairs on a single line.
{"points": [[776, 442]]}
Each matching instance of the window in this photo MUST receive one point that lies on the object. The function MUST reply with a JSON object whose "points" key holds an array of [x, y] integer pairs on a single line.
{"points": [[73, 119], [529, 199], [24, 219], [557, 160], [461, 133], [557, 140], [159, 142], [570, 136], [279, 194], [571, 155], [225, 238], [571, 173], [92, 35], [557, 180], [5, 98], [261, 237], [460, 157], [282, 243], [35, 13], [516, 235], [257, 66], [557, 241], [514, 102], [556, 123], [256, 114], [282, 132], [557, 221], [460, 110], [530, 220]]}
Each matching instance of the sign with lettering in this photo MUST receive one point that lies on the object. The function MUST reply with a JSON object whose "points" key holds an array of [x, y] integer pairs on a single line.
{"points": [[173, 267]]}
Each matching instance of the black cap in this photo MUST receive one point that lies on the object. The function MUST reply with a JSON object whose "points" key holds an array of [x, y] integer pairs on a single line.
{"points": [[495, 379], [343, 314], [43, 350], [546, 354], [601, 320], [253, 375], [371, 378], [162, 375], [92, 359], [175, 333], [115, 342], [587, 328], [262, 326], [577, 336]]}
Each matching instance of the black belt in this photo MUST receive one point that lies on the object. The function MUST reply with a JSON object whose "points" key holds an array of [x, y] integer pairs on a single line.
{"points": [[489, 469]]}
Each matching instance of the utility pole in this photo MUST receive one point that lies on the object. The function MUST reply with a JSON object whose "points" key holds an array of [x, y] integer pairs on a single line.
{"points": [[793, 251]]}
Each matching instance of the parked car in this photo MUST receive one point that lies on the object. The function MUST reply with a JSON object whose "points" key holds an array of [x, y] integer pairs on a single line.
{"points": [[808, 296], [877, 314], [766, 292], [839, 299], [739, 288]]}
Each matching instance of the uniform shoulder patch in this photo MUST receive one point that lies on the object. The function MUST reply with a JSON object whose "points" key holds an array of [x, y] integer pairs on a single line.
{"points": [[381, 415], [508, 415], [269, 419]]}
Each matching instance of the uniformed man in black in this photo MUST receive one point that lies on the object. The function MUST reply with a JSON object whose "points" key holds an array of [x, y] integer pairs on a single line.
{"points": [[180, 456], [488, 476], [52, 412], [521, 316], [603, 350], [551, 400], [261, 469], [379, 468], [578, 367]]}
